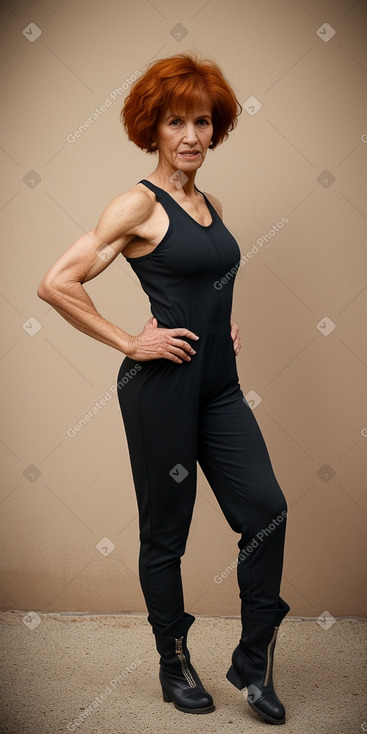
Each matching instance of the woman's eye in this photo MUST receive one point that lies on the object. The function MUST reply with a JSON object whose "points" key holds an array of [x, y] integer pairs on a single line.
{"points": [[177, 121]]}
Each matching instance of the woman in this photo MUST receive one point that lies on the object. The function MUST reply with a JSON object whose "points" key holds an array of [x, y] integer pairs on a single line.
{"points": [[184, 403]]}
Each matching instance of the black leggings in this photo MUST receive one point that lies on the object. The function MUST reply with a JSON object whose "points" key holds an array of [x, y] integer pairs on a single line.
{"points": [[178, 415]]}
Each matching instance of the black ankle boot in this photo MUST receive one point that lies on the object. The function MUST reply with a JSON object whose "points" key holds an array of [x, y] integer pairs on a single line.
{"points": [[179, 680], [252, 666]]}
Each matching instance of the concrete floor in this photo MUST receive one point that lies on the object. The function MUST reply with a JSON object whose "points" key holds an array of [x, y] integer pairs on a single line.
{"points": [[98, 674]]}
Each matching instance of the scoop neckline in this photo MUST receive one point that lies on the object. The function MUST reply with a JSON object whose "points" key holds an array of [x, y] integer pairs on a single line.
{"points": [[209, 205]]}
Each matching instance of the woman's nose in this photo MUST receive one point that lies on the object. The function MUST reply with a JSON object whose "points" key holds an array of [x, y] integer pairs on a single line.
{"points": [[190, 133]]}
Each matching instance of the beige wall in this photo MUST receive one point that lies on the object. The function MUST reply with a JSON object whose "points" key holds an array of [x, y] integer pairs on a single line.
{"points": [[312, 385]]}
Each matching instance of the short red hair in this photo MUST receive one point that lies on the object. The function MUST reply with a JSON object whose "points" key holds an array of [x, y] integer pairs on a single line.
{"points": [[179, 82]]}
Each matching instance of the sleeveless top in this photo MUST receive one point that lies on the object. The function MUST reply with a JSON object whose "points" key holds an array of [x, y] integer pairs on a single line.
{"points": [[189, 276]]}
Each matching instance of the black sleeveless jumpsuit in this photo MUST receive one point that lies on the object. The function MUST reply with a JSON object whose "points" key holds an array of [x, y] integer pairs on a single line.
{"points": [[176, 415]]}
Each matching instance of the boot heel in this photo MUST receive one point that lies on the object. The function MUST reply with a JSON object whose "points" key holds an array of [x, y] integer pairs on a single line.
{"points": [[166, 697], [234, 678]]}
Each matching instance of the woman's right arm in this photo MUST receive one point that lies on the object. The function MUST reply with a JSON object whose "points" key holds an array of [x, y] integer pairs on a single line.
{"points": [[87, 257]]}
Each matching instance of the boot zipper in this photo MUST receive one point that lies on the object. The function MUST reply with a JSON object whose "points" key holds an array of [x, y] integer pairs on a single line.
{"points": [[269, 656], [182, 659]]}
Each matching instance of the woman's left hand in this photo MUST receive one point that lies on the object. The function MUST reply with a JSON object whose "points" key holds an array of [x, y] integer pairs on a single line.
{"points": [[235, 334]]}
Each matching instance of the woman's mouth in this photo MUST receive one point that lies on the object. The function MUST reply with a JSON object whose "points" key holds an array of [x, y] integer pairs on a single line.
{"points": [[189, 155]]}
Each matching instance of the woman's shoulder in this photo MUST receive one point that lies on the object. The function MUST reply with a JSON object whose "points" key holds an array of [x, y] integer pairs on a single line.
{"points": [[215, 202], [138, 196], [136, 204]]}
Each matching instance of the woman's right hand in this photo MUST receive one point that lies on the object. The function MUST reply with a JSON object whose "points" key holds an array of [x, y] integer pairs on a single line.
{"points": [[155, 342]]}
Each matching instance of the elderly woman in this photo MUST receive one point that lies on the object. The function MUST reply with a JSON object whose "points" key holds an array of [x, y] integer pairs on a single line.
{"points": [[184, 403]]}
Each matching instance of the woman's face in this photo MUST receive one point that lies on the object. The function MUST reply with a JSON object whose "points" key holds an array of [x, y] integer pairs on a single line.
{"points": [[183, 140]]}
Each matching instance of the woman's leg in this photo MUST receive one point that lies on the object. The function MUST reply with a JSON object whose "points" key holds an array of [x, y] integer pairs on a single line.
{"points": [[235, 460], [160, 420], [161, 432]]}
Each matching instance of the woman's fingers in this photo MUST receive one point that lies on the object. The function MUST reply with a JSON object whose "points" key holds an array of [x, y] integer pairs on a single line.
{"points": [[173, 346], [157, 343], [184, 332], [180, 331], [235, 334]]}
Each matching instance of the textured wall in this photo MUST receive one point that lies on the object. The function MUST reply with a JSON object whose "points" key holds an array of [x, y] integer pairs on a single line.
{"points": [[69, 537]]}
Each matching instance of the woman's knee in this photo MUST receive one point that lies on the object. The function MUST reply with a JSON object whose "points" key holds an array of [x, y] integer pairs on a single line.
{"points": [[281, 506], [271, 505], [278, 505]]}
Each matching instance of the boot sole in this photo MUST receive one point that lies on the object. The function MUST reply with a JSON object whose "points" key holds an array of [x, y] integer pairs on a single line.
{"points": [[237, 681], [168, 699]]}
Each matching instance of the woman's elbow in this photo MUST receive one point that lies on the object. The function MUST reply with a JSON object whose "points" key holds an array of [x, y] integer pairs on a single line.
{"points": [[46, 291]]}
